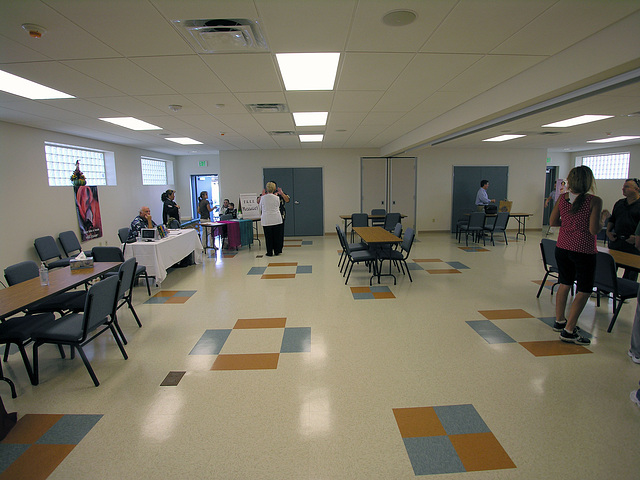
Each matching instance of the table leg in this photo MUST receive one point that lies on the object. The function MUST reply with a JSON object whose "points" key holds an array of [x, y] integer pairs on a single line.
{"points": [[521, 227]]}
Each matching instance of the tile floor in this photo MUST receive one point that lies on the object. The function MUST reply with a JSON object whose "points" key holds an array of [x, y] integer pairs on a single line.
{"points": [[455, 375]]}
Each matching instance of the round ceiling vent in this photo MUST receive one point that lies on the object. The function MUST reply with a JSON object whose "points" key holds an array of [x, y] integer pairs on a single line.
{"points": [[399, 18]]}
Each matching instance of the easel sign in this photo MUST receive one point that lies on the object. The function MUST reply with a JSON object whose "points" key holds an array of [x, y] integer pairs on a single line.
{"points": [[249, 205]]}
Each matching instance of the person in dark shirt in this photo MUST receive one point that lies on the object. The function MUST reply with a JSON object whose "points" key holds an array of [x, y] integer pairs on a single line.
{"points": [[170, 209], [622, 223]]}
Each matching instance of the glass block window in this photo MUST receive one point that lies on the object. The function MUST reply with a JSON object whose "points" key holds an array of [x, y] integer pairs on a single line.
{"points": [[61, 162], [154, 172], [608, 165]]}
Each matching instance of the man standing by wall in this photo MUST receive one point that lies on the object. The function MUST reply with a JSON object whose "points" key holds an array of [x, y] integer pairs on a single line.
{"points": [[623, 221]]}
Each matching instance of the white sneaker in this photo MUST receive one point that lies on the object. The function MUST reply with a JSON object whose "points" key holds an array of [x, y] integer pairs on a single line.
{"points": [[634, 397], [633, 357]]}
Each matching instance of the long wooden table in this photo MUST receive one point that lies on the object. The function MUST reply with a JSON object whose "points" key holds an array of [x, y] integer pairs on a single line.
{"points": [[623, 259], [378, 237], [25, 294]]}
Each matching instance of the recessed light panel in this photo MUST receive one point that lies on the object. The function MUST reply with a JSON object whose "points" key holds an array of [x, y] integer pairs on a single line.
{"points": [[311, 138], [615, 139], [503, 138], [308, 71], [131, 123], [26, 88], [310, 119], [570, 122], [184, 141]]}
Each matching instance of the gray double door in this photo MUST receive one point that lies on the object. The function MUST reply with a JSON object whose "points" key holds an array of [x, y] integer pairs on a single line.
{"points": [[305, 210], [466, 182]]}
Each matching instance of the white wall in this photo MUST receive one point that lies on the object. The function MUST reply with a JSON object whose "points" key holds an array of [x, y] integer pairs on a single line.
{"points": [[185, 166], [241, 172], [435, 182], [31, 208]]}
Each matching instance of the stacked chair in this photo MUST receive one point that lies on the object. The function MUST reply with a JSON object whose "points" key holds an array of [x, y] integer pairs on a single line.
{"points": [[49, 253]]}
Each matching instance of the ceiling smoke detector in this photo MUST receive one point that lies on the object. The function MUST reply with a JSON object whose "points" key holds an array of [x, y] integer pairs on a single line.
{"points": [[34, 31], [222, 35], [267, 107], [175, 108]]}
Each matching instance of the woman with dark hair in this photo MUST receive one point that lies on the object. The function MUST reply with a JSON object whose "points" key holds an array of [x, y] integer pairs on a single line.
{"points": [[170, 209], [576, 249], [204, 206]]}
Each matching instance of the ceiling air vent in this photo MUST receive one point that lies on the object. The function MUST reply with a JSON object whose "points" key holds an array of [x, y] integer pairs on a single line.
{"points": [[267, 107], [281, 133], [222, 35]]}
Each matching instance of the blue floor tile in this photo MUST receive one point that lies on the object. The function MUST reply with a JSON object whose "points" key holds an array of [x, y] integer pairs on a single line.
{"points": [[414, 266], [157, 300], [303, 269], [185, 293], [461, 419], [457, 265], [257, 271], [551, 320], [9, 453], [211, 342], [296, 340], [307, 242], [433, 455], [69, 430], [380, 288], [487, 330], [363, 296]]}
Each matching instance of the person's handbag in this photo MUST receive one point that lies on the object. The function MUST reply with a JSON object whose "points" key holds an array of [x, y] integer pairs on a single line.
{"points": [[490, 209]]}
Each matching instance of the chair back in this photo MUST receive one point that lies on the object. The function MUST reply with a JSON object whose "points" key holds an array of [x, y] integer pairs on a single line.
{"points": [[70, 244], [123, 234], [501, 221], [606, 278], [378, 222], [126, 273], [339, 232], [407, 240], [107, 254], [476, 220], [390, 221], [100, 304], [47, 249], [548, 249], [226, 216], [21, 272], [397, 231], [359, 220]]}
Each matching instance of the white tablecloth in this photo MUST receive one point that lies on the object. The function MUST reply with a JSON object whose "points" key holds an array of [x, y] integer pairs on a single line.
{"points": [[159, 255]]}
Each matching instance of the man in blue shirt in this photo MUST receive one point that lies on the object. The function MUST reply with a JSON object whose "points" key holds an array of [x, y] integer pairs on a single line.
{"points": [[143, 220], [482, 198]]}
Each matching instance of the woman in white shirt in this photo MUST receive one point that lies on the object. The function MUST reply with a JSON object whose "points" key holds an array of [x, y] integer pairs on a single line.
{"points": [[271, 219]]}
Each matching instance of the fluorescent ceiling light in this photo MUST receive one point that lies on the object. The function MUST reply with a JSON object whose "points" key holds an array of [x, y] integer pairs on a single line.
{"points": [[132, 123], [615, 139], [184, 141], [503, 138], [308, 71], [570, 122], [311, 137], [26, 88], [310, 119]]}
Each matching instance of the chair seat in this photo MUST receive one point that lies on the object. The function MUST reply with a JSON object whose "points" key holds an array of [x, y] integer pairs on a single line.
{"points": [[63, 262], [358, 247], [627, 288], [362, 256], [62, 301], [20, 329], [67, 328]]}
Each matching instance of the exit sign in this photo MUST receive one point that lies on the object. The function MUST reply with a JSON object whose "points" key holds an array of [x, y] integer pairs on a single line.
{"points": [[202, 163]]}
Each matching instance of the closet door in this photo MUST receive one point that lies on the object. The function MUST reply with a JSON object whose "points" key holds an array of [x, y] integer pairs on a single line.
{"points": [[305, 210]]}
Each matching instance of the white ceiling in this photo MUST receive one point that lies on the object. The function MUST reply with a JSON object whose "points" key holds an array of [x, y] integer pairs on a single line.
{"points": [[459, 64]]}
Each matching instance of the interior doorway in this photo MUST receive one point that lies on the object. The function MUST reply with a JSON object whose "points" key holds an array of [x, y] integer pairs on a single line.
{"points": [[549, 186], [205, 183]]}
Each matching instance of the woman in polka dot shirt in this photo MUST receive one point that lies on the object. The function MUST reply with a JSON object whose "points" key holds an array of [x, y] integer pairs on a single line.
{"points": [[577, 213]]}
